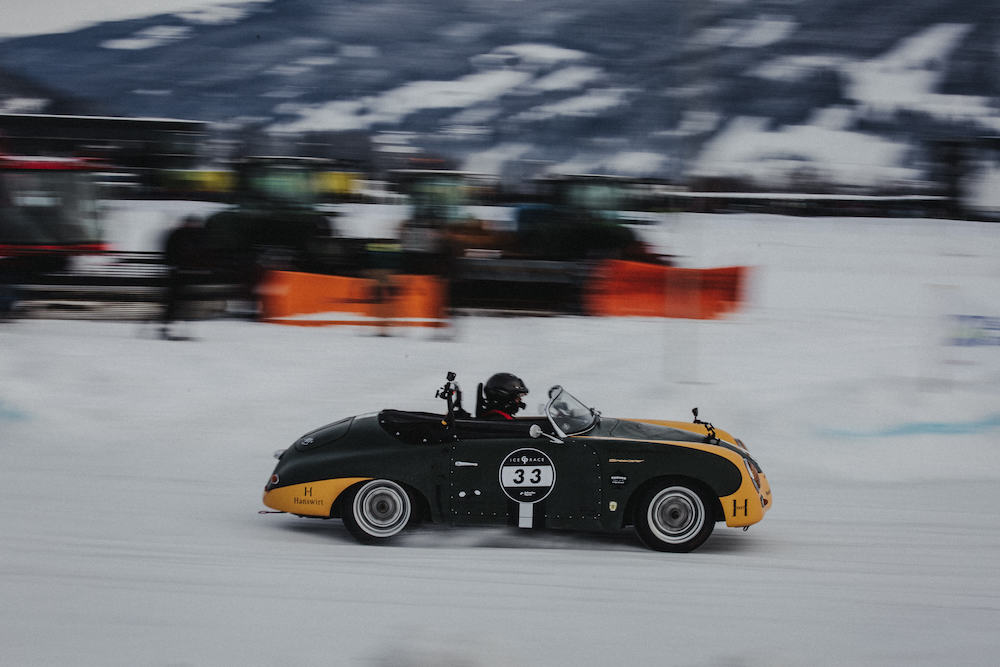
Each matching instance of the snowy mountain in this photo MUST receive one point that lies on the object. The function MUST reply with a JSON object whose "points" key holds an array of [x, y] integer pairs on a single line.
{"points": [[841, 91]]}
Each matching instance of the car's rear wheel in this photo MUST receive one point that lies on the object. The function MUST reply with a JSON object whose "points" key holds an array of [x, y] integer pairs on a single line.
{"points": [[376, 510], [674, 517]]}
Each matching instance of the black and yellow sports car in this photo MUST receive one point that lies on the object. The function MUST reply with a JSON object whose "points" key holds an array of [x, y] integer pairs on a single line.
{"points": [[568, 469]]}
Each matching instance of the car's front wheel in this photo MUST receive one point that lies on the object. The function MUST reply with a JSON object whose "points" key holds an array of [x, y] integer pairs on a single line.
{"points": [[673, 517], [376, 510]]}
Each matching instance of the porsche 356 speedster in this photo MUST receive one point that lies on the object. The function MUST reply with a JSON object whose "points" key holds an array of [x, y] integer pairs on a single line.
{"points": [[570, 468]]}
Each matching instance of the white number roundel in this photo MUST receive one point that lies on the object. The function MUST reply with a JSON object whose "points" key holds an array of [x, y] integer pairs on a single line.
{"points": [[527, 475]]}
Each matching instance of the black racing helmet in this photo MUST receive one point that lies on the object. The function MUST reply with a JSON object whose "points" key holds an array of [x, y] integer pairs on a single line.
{"points": [[503, 391]]}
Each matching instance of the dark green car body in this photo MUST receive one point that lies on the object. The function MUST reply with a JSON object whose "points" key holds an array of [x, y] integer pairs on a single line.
{"points": [[526, 472]]}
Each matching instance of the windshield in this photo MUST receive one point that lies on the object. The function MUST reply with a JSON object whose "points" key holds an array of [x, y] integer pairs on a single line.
{"points": [[440, 200], [596, 196], [283, 183], [568, 415], [48, 206]]}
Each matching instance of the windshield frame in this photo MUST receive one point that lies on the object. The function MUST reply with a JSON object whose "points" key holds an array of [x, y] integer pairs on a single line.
{"points": [[576, 423]]}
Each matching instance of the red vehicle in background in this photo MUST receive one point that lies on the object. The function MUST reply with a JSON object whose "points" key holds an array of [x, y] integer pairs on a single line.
{"points": [[48, 210]]}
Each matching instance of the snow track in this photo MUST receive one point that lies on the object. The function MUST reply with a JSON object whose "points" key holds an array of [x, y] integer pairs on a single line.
{"points": [[134, 467]]}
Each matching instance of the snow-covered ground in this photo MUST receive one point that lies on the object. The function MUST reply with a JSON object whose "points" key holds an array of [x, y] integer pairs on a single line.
{"points": [[134, 469]]}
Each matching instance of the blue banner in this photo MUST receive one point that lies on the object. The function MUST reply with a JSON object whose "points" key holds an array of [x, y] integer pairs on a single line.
{"points": [[976, 330]]}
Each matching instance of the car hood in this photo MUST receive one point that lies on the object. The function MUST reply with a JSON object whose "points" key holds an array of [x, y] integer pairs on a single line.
{"points": [[660, 429]]}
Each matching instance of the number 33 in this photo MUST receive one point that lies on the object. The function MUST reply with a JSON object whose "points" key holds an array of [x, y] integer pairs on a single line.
{"points": [[536, 476]]}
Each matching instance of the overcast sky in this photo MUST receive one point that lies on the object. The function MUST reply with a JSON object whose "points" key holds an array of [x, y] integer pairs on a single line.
{"points": [[33, 17]]}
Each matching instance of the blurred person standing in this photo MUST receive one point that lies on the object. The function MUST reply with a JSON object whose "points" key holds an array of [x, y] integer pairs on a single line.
{"points": [[383, 260], [8, 287], [185, 255]]}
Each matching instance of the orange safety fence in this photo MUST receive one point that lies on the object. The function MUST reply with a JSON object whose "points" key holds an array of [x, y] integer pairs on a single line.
{"points": [[306, 299], [620, 288]]}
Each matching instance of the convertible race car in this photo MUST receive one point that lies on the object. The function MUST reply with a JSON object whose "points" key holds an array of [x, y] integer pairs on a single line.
{"points": [[570, 468]]}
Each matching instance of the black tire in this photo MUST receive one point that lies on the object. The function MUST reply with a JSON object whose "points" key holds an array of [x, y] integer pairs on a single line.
{"points": [[376, 510], [674, 517]]}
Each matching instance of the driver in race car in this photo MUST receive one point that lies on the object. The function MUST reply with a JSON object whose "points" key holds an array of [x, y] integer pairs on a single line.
{"points": [[502, 396]]}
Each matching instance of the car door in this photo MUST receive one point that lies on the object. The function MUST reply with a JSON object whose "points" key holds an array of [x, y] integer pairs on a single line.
{"points": [[525, 482]]}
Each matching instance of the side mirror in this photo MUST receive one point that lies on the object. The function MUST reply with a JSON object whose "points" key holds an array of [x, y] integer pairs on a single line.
{"points": [[536, 432]]}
